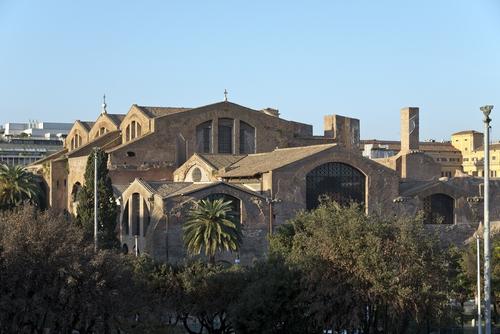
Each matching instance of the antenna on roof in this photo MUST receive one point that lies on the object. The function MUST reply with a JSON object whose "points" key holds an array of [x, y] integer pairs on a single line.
{"points": [[104, 105], [225, 95]]}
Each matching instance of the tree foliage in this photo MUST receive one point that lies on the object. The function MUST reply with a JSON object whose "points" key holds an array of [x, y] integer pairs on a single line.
{"points": [[366, 272], [107, 208], [210, 229], [50, 278], [17, 186]]}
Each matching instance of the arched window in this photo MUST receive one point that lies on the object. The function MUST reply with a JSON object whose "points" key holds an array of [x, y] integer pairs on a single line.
{"points": [[340, 182], [136, 214], [247, 138], [125, 222], [204, 137], [225, 136], [439, 209], [235, 204], [146, 218], [76, 141], [127, 133], [101, 131], [132, 130], [138, 130], [75, 190]]}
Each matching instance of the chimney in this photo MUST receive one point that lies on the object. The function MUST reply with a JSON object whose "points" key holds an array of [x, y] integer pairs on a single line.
{"points": [[409, 129], [344, 130]]}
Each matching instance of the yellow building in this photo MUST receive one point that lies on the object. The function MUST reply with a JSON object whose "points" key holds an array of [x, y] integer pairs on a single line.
{"points": [[470, 143]]}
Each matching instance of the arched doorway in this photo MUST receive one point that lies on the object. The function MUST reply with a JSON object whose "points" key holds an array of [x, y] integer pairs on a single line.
{"points": [[439, 209], [340, 182]]}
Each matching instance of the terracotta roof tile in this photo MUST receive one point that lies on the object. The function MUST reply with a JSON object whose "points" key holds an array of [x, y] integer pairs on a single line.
{"points": [[161, 111], [101, 141], [254, 164], [117, 118], [466, 132], [221, 160], [87, 124]]}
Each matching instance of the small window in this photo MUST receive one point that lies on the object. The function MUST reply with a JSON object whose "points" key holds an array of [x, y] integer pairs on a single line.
{"points": [[196, 174], [130, 154]]}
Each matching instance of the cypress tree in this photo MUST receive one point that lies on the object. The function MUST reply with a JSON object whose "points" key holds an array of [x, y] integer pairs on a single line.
{"points": [[107, 208]]}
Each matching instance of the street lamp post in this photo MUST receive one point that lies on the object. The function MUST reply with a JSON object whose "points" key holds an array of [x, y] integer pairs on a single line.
{"points": [[479, 322], [487, 248]]}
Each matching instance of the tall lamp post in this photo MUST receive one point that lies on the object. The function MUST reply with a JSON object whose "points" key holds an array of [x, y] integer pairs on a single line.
{"points": [[487, 248]]}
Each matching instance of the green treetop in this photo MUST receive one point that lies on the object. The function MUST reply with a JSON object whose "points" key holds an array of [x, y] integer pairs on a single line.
{"points": [[107, 208]]}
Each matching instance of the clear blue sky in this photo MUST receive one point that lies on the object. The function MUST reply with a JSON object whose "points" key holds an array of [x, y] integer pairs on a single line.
{"points": [[364, 59]]}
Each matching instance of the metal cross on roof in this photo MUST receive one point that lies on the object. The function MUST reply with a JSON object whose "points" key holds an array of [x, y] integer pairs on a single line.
{"points": [[104, 105]]}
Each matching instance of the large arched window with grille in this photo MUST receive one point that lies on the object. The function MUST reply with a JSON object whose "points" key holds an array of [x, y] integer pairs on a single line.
{"points": [[439, 209], [204, 137], [340, 182], [247, 138], [235, 204], [225, 137]]}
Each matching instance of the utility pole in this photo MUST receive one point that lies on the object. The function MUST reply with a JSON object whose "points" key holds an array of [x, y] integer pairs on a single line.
{"points": [[479, 322], [487, 248], [95, 200]]}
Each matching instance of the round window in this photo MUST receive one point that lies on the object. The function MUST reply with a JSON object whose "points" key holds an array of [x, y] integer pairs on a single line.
{"points": [[196, 174]]}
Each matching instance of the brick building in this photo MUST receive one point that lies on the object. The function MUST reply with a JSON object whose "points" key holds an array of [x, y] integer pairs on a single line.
{"points": [[162, 159]]}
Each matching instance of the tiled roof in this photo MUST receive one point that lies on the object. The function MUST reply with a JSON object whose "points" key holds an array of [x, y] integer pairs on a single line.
{"points": [[122, 145], [161, 111], [101, 141], [254, 164], [165, 188], [466, 132], [118, 189], [52, 156], [117, 118], [424, 146], [193, 187], [219, 161], [87, 124]]}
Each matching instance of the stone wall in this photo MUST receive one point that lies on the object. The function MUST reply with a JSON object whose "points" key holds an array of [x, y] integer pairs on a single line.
{"points": [[161, 146], [254, 218]]}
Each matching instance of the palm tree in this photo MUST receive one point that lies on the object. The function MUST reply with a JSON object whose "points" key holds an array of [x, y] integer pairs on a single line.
{"points": [[212, 228], [17, 185]]}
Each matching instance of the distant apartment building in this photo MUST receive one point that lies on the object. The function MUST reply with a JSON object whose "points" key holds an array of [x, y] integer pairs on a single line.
{"points": [[24, 143], [470, 143], [444, 153]]}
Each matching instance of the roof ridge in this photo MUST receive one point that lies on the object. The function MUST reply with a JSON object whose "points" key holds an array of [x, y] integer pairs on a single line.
{"points": [[302, 147]]}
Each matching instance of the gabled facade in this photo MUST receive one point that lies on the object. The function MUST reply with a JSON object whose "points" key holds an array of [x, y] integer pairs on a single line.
{"points": [[162, 159]]}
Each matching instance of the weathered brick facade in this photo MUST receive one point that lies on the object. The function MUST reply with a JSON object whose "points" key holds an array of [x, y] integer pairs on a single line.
{"points": [[163, 159]]}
